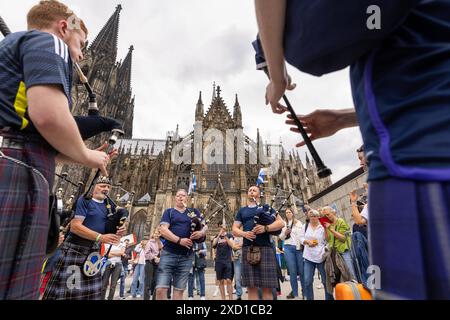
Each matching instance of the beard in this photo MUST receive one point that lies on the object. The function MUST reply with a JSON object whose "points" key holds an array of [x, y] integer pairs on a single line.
{"points": [[100, 195]]}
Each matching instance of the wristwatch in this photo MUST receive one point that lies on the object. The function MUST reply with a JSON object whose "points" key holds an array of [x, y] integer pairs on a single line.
{"points": [[266, 228]]}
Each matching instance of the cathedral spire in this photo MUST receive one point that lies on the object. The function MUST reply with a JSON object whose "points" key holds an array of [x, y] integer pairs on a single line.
{"points": [[258, 146], [199, 110], [218, 116], [214, 91], [125, 70], [237, 114], [106, 41], [177, 131]]}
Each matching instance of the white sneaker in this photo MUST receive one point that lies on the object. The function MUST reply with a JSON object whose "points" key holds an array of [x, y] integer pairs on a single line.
{"points": [[138, 296], [234, 291], [203, 298], [190, 298], [216, 292]]}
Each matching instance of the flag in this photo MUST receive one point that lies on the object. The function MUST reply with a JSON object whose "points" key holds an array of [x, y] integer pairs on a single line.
{"points": [[192, 185], [261, 176]]}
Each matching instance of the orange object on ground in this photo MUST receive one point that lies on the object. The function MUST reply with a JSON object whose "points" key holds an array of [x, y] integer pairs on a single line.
{"points": [[352, 291]]}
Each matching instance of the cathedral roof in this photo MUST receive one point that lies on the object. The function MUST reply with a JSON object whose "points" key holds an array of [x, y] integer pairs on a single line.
{"points": [[144, 199], [125, 198], [218, 115], [137, 146]]}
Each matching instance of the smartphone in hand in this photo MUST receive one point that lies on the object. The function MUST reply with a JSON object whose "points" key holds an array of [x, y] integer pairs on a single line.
{"points": [[324, 220]]}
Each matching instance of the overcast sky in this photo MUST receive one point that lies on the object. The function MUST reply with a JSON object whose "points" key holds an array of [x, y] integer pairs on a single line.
{"points": [[182, 47]]}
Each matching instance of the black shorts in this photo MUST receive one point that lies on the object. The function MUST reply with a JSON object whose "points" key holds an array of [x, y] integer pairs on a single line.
{"points": [[224, 270]]}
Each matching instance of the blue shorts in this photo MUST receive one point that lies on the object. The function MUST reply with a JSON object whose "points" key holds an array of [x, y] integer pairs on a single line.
{"points": [[174, 267], [409, 230], [224, 270]]}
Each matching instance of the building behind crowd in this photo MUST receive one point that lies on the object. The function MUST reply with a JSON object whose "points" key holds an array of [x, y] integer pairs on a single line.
{"points": [[146, 175], [337, 195]]}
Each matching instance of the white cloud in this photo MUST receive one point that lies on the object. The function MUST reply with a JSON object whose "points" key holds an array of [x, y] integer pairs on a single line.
{"points": [[181, 47]]}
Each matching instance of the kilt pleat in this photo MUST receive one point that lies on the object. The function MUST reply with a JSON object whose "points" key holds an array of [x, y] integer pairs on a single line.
{"points": [[263, 275], [68, 282]]}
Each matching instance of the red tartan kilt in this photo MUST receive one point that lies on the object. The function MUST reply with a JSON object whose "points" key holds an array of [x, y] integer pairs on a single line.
{"points": [[24, 209]]}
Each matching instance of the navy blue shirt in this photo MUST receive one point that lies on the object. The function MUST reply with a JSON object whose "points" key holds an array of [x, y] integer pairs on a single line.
{"points": [[94, 214], [402, 97], [245, 216], [401, 87], [223, 250], [180, 225], [27, 59]]}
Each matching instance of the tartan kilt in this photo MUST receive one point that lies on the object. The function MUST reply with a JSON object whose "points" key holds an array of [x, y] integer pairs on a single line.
{"points": [[89, 288], [263, 275], [409, 229], [24, 216]]}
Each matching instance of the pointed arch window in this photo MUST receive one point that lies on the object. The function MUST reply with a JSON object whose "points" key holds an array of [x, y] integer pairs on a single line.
{"points": [[138, 225]]}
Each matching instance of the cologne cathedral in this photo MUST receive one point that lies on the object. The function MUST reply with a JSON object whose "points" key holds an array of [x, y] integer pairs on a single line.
{"points": [[145, 174]]}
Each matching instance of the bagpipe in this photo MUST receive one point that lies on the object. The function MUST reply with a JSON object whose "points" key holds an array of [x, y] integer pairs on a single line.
{"points": [[196, 224], [56, 214], [266, 214], [117, 217], [261, 64]]}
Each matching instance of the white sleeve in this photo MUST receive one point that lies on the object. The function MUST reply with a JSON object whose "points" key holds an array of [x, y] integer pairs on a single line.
{"points": [[365, 213], [302, 234]]}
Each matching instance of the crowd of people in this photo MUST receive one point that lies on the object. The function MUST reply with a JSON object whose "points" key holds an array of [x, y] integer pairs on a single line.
{"points": [[161, 267]]}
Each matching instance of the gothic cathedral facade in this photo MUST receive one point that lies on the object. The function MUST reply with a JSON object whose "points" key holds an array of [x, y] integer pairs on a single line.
{"points": [[146, 175]]}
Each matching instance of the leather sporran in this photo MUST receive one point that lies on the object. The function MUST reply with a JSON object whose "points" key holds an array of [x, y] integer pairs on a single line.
{"points": [[254, 255]]}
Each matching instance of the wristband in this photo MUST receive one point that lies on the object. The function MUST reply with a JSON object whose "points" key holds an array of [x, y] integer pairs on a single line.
{"points": [[98, 237], [266, 228], [179, 240]]}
